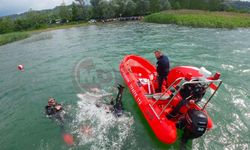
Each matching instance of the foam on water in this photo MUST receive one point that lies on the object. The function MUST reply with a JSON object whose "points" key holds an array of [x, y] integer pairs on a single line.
{"points": [[245, 71], [239, 96], [227, 67], [97, 129]]}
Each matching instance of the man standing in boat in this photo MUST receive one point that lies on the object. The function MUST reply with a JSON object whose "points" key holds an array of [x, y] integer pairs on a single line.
{"points": [[162, 68]]}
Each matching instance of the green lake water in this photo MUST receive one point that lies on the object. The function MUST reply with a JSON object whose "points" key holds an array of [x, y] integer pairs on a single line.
{"points": [[77, 66]]}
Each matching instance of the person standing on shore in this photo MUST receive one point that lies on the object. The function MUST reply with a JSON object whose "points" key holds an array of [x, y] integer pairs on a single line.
{"points": [[162, 68]]}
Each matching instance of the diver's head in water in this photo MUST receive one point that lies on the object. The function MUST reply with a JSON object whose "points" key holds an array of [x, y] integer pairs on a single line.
{"points": [[51, 101], [54, 109]]}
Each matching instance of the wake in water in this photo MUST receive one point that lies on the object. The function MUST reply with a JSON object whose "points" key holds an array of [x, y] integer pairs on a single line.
{"points": [[98, 128]]}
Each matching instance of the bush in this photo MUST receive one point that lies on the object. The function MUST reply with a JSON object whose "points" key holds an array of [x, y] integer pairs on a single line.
{"points": [[201, 19], [6, 25]]}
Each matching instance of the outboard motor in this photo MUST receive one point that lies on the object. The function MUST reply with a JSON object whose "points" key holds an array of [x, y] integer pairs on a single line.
{"points": [[195, 123], [195, 90]]}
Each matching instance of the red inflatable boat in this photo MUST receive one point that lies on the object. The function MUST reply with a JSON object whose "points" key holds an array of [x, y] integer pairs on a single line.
{"points": [[182, 104]]}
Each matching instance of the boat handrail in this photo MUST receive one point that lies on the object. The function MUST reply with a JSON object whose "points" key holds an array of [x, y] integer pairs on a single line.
{"points": [[169, 87], [207, 81], [172, 98], [220, 82], [175, 93]]}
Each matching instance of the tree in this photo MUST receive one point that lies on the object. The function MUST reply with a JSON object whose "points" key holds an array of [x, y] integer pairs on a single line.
{"points": [[214, 5], [120, 7], [154, 6], [64, 13], [164, 5], [36, 19], [74, 12], [124, 7], [198, 4], [96, 10], [83, 11], [106, 9], [176, 5], [21, 24], [6, 25], [142, 7], [130, 8], [115, 7], [81, 2], [87, 12]]}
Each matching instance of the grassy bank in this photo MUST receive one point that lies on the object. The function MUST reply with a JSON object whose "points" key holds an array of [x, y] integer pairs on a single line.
{"points": [[199, 18], [15, 36], [11, 37], [64, 26]]}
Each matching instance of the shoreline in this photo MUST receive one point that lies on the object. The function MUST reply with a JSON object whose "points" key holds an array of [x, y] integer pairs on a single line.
{"points": [[20, 35], [58, 27], [183, 17]]}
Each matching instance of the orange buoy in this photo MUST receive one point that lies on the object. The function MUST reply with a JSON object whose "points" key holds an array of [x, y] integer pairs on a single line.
{"points": [[20, 67], [68, 139]]}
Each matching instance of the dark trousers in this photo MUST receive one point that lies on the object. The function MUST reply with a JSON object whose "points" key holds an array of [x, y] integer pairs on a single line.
{"points": [[161, 78]]}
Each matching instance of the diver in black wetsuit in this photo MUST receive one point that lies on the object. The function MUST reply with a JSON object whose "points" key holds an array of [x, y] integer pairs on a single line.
{"points": [[54, 110], [118, 106], [115, 106]]}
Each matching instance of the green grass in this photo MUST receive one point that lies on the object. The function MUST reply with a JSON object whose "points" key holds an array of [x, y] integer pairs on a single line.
{"points": [[199, 18], [15, 36], [11, 37], [63, 26]]}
